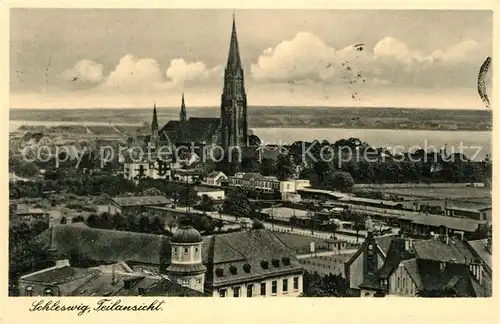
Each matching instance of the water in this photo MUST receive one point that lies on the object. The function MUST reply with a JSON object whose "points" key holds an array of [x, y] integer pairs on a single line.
{"points": [[474, 144], [470, 143]]}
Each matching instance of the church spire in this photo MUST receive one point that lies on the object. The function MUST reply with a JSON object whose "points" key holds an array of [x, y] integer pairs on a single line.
{"points": [[233, 59], [154, 124], [183, 115]]}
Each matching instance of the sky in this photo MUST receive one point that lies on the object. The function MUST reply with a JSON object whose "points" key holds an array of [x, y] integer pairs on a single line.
{"points": [[119, 58]]}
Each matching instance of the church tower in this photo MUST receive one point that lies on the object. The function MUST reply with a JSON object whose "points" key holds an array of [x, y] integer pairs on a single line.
{"points": [[234, 128], [154, 127], [182, 114]]}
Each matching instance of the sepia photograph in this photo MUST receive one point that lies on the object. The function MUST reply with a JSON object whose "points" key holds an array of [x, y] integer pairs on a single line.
{"points": [[237, 153]]}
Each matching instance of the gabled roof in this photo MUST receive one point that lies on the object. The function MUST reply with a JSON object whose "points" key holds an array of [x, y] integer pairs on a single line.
{"points": [[140, 201], [435, 250]]}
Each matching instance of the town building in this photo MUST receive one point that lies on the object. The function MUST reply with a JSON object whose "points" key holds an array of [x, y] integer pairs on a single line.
{"points": [[215, 178], [403, 266], [481, 213], [249, 263], [135, 206], [256, 181], [28, 214], [109, 280], [215, 194], [422, 225]]}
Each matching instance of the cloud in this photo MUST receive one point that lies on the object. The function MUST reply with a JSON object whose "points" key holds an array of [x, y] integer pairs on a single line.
{"points": [[135, 73], [86, 71], [390, 61], [180, 72]]}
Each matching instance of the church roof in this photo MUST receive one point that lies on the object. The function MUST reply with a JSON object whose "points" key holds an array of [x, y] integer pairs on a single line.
{"points": [[196, 130]]}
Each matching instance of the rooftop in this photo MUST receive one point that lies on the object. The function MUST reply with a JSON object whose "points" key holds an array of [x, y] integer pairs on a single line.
{"points": [[455, 223]]}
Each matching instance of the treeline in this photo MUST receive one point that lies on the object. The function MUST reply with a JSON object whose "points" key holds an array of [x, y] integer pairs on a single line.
{"points": [[324, 285], [25, 254]]}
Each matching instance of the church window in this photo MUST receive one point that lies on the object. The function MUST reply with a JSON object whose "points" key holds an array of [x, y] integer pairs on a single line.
{"points": [[175, 251], [186, 250]]}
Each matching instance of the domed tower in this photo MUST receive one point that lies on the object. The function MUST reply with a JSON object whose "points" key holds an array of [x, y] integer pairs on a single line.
{"points": [[186, 267]]}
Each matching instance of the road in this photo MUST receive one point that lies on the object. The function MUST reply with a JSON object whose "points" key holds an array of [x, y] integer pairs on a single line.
{"points": [[283, 228]]}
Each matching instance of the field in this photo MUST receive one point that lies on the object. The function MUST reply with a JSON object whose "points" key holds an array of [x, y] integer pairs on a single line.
{"points": [[467, 197]]}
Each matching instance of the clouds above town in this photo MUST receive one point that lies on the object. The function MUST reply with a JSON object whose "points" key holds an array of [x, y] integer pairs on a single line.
{"points": [[134, 74], [307, 58]]}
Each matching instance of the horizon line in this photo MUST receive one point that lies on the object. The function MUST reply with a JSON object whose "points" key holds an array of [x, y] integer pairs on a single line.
{"points": [[253, 106]]}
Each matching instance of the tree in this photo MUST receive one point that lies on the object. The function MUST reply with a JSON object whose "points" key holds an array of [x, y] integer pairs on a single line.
{"points": [[293, 221], [64, 220], [188, 196], [207, 203], [257, 225], [157, 226], [237, 204], [445, 292], [267, 167], [119, 222], [285, 168], [218, 223], [94, 221], [171, 224], [341, 181], [358, 222], [143, 224], [327, 285], [78, 219]]}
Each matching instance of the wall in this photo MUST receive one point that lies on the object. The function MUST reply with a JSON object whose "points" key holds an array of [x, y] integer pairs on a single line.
{"points": [[37, 289], [257, 284], [195, 282], [401, 284], [356, 271]]}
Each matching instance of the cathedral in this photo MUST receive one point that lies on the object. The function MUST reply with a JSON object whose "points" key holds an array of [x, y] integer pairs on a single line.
{"points": [[230, 130]]}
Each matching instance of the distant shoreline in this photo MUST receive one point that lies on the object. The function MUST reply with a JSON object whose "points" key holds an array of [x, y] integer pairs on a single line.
{"points": [[50, 124]]}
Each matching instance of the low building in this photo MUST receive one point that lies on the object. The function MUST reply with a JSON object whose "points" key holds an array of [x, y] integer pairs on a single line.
{"points": [[135, 206], [213, 193], [215, 179], [186, 176], [254, 180], [480, 214], [134, 171], [422, 225], [242, 264], [111, 280], [28, 214]]}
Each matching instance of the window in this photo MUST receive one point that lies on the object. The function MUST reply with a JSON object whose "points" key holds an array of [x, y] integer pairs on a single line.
{"points": [[48, 292], [236, 291], [285, 285], [274, 287], [263, 289], [186, 250], [185, 282], [196, 250], [222, 292], [296, 283], [28, 291], [198, 280], [175, 251], [249, 290]]}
